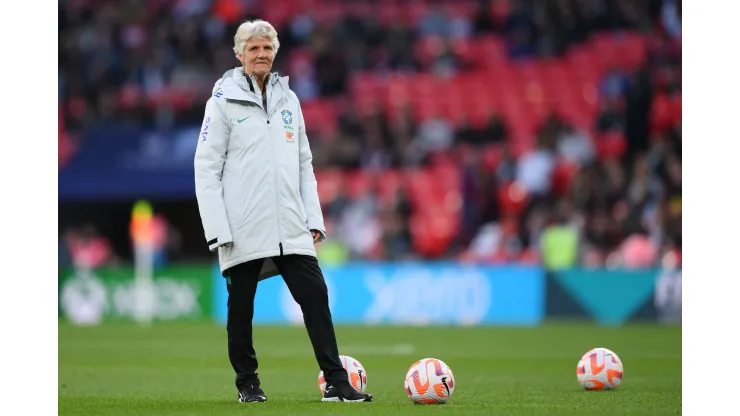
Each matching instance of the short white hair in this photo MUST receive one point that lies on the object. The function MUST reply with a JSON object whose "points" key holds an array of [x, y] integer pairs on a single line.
{"points": [[257, 29]]}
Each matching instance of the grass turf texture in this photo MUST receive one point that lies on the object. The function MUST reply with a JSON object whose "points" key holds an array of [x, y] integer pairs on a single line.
{"points": [[183, 369]]}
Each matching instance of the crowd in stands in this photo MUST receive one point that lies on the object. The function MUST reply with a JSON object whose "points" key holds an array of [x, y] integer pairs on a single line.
{"points": [[488, 131]]}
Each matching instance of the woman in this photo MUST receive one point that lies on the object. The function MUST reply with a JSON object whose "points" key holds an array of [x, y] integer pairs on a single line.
{"points": [[259, 204]]}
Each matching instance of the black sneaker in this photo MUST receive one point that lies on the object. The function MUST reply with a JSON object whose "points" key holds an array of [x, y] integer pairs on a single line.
{"points": [[252, 393], [344, 392]]}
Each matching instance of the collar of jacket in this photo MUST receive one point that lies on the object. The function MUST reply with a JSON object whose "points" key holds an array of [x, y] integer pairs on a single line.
{"points": [[236, 86], [272, 79]]}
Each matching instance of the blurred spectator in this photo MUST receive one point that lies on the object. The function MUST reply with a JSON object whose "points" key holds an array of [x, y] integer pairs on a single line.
{"points": [[332, 252], [610, 117], [636, 252], [614, 84], [574, 145], [670, 17], [494, 131], [478, 203], [88, 248], [644, 189], [559, 243], [637, 109], [434, 134], [359, 226], [434, 22], [460, 27], [396, 238], [534, 168], [166, 242], [521, 31], [303, 80], [507, 168]]}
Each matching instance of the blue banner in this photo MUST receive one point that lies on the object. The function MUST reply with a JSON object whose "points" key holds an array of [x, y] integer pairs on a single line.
{"points": [[131, 162], [409, 294]]}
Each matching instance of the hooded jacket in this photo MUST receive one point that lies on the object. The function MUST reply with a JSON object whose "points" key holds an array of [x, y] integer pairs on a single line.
{"points": [[254, 178]]}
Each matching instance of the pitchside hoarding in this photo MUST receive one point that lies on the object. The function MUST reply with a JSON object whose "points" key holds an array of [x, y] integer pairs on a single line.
{"points": [[181, 292], [409, 294], [388, 294]]}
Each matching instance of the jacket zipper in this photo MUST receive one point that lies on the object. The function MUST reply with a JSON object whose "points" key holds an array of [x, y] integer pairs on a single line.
{"points": [[274, 174]]}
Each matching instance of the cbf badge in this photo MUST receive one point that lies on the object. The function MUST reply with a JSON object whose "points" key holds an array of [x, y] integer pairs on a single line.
{"points": [[287, 117]]}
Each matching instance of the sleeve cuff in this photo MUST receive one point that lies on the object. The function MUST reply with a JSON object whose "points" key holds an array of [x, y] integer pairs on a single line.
{"points": [[216, 243], [322, 232]]}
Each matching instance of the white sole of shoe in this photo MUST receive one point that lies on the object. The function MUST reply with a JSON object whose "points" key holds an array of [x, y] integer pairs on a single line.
{"points": [[337, 399]]}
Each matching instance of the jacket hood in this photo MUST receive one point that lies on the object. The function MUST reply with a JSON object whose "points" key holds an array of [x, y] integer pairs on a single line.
{"points": [[235, 84]]}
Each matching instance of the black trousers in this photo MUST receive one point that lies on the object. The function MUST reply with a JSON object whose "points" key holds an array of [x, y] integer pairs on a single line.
{"points": [[306, 283]]}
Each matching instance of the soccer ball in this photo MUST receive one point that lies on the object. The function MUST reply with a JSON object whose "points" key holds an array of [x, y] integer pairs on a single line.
{"points": [[600, 369], [429, 381], [355, 371]]}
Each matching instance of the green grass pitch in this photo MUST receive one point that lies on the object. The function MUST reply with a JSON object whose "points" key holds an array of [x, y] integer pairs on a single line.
{"points": [[183, 369]]}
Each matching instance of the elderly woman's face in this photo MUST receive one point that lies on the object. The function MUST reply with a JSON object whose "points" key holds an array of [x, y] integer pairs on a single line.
{"points": [[258, 56]]}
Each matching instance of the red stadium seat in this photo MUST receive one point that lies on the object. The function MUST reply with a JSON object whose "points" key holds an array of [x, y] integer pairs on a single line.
{"points": [[330, 183], [466, 51], [660, 114], [228, 11], [357, 184], [388, 11], [364, 85], [327, 13], [611, 145], [65, 149], [129, 96], [432, 233], [492, 51], [440, 160], [605, 50], [676, 109], [447, 180], [434, 189], [492, 156], [320, 115], [632, 50], [512, 198], [413, 11], [462, 8], [387, 184], [418, 183], [584, 64], [562, 177]]}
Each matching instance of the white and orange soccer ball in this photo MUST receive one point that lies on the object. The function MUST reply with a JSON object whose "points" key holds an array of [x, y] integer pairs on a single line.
{"points": [[429, 381], [355, 371], [600, 369]]}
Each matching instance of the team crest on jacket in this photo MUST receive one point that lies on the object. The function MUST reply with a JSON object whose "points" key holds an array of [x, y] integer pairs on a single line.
{"points": [[287, 116]]}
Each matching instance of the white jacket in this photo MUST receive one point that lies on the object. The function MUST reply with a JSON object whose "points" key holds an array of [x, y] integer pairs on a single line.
{"points": [[254, 180]]}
